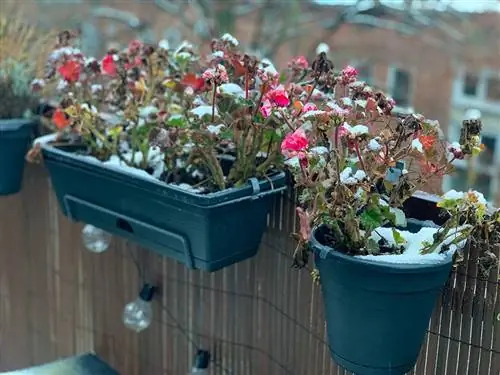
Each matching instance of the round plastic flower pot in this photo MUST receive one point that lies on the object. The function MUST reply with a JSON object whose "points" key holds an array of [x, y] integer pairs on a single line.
{"points": [[377, 314], [204, 231], [15, 135]]}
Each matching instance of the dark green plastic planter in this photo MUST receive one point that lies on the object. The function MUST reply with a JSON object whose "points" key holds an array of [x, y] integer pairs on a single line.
{"points": [[206, 232], [15, 136], [377, 314]]}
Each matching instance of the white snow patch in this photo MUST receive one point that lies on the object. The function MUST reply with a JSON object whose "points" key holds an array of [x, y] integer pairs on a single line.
{"points": [[204, 110], [267, 66], [357, 130], [319, 150], [229, 38], [347, 177], [145, 112], [417, 145], [187, 187], [472, 114], [231, 89], [413, 246], [373, 145], [163, 44], [217, 55], [313, 113], [453, 194], [215, 129], [322, 47], [293, 162], [44, 139]]}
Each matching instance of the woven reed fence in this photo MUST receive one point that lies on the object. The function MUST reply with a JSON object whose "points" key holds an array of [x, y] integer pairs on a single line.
{"points": [[257, 317]]}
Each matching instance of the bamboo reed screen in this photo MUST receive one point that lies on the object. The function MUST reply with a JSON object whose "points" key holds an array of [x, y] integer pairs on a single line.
{"points": [[259, 317]]}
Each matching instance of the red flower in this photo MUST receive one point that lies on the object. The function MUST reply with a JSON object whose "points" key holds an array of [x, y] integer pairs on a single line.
{"points": [[60, 119], [294, 143], [192, 80], [427, 141], [278, 96], [70, 70], [108, 65]]}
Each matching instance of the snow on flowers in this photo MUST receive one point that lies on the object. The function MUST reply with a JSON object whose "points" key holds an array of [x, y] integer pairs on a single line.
{"points": [[211, 121], [372, 162]]}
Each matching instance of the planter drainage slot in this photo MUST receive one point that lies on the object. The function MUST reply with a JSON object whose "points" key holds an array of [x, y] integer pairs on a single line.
{"points": [[124, 225], [203, 231], [148, 235]]}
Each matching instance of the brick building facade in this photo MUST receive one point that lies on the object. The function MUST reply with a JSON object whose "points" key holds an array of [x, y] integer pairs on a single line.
{"points": [[429, 71]]}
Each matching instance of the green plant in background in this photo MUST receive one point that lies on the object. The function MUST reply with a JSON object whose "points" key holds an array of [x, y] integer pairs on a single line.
{"points": [[17, 97], [22, 53]]}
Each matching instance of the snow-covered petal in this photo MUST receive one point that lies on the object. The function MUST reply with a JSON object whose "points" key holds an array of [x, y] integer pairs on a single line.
{"points": [[417, 145]]}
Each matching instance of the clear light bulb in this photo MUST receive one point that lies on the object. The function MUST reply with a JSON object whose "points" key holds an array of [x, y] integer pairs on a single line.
{"points": [[95, 239], [138, 314]]}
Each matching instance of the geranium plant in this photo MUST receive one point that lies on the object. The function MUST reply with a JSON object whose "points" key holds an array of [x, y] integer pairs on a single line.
{"points": [[348, 165], [206, 123]]}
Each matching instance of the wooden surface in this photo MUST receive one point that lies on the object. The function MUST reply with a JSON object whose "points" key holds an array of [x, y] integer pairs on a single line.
{"points": [[257, 317]]}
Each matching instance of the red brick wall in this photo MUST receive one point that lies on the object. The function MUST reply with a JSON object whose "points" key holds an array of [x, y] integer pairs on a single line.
{"points": [[429, 56]]}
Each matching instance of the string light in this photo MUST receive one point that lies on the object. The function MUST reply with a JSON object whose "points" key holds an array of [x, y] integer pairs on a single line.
{"points": [[201, 363], [95, 239], [138, 314]]}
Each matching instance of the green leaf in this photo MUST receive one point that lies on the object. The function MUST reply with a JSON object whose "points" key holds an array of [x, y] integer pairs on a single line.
{"points": [[387, 214], [398, 238], [448, 204], [283, 77], [371, 218], [226, 134], [176, 121]]}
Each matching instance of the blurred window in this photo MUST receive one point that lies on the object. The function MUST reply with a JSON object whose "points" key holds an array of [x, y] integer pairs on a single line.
{"points": [[493, 89], [471, 83], [401, 87]]}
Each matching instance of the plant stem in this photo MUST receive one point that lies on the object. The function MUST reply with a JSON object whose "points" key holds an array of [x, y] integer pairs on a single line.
{"points": [[215, 168], [262, 91], [246, 85], [214, 98], [360, 158]]}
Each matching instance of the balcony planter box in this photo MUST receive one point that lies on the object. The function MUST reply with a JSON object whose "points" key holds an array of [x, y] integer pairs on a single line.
{"points": [[377, 313], [15, 135], [204, 231]]}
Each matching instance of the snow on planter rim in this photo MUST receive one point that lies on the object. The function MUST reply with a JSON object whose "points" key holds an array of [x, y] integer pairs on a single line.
{"points": [[115, 164], [413, 245], [411, 258]]}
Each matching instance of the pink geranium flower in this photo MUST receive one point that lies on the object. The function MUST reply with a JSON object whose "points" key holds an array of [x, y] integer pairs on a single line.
{"points": [[309, 107], [217, 75], [278, 96], [349, 75], [294, 143], [299, 62], [266, 108]]}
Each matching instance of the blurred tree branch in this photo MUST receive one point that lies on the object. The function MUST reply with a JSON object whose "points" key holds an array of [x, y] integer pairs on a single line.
{"points": [[279, 22]]}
